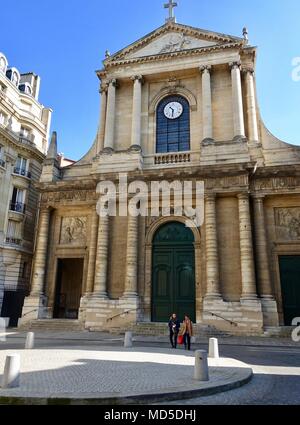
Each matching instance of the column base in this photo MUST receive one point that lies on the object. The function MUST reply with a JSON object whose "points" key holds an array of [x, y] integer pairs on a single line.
{"points": [[100, 296], [236, 318], [249, 297], [35, 307], [129, 295], [213, 297], [241, 138], [104, 314], [135, 148], [107, 151], [208, 141], [270, 311]]}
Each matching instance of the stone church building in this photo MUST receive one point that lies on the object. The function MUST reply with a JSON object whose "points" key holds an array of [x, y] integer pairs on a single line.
{"points": [[178, 104]]}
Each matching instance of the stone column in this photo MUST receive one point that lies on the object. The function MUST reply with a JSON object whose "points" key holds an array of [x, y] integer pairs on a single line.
{"points": [[131, 278], [92, 253], [246, 246], [136, 112], [110, 116], [207, 117], [237, 101], [40, 261], [100, 286], [251, 106], [212, 257], [101, 130], [263, 266]]}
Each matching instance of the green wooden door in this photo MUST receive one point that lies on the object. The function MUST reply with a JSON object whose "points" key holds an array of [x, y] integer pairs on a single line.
{"points": [[290, 284], [173, 276]]}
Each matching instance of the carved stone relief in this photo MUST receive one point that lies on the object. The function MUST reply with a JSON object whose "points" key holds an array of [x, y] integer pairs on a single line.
{"points": [[73, 231], [287, 222]]}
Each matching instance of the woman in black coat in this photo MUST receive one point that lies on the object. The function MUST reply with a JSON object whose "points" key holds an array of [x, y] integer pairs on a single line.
{"points": [[174, 326]]}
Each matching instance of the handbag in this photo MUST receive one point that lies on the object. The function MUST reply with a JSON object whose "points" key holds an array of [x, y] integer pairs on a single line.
{"points": [[180, 339]]}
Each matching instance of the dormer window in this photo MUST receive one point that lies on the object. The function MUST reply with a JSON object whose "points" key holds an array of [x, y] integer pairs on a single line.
{"points": [[25, 88], [3, 63], [14, 76]]}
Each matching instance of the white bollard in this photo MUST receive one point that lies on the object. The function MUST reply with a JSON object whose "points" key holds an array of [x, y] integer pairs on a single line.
{"points": [[213, 348], [3, 326], [29, 344], [128, 340], [201, 366], [11, 377]]}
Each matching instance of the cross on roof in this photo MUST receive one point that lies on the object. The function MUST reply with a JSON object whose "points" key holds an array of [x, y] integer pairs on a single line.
{"points": [[171, 5]]}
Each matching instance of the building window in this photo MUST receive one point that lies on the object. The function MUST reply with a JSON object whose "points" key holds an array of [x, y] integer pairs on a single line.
{"points": [[21, 167], [24, 270], [3, 119], [17, 200], [13, 234], [2, 161], [173, 125]]}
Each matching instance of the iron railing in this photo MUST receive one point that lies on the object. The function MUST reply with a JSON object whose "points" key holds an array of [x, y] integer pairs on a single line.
{"points": [[18, 207], [22, 172], [13, 241], [223, 318]]}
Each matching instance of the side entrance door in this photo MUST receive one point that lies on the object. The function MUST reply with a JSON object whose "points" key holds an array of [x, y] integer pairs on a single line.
{"points": [[290, 286]]}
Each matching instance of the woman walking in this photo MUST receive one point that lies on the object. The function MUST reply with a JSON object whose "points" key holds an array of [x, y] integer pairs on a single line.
{"points": [[174, 326], [187, 332]]}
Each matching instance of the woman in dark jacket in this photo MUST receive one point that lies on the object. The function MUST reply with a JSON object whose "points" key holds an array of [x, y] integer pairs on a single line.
{"points": [[174, 326]]}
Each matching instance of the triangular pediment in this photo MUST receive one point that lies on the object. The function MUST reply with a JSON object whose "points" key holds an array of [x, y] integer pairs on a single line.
{"points": [[173, 38]]}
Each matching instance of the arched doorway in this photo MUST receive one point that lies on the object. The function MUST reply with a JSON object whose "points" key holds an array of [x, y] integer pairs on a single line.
{"points": [[173, 272]]}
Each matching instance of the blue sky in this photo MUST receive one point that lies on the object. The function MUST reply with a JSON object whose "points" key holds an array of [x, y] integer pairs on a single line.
{"points": [[64, 42]]}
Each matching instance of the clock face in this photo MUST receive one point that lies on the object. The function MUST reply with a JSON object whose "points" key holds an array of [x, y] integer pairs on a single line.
{"points": [[173, 110]]}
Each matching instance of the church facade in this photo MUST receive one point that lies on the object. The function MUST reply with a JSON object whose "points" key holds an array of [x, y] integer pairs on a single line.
{"points": [[180, 104]]}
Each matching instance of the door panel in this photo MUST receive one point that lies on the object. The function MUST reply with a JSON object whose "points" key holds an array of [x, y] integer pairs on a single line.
{"points": [[290, 284], [173, 276]]}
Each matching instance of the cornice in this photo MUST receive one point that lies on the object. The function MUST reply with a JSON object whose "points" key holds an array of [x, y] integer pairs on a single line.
{"points": [[166, 56], [32, 150], [195, 32]]}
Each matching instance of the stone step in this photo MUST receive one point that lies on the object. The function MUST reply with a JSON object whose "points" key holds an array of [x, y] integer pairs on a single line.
{"points": [[162, 329], [280, 332], [54, 325]]}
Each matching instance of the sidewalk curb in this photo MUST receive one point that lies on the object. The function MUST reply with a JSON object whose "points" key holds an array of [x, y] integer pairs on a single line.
{"points": [[134, 399]]}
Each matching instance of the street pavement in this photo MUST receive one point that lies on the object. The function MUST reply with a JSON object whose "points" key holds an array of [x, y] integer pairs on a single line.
{"points": [[275, 362]]}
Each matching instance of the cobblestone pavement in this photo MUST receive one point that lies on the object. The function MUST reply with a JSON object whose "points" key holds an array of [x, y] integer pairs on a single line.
{"points": [[276, 364], [276, 378], [112, 372]]}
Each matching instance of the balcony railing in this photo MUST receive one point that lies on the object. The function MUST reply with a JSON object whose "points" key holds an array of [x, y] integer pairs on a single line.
{"points": [[21, 172], [26, 141], [18, 207], [172, 158], [13, 241], [2, 163]]}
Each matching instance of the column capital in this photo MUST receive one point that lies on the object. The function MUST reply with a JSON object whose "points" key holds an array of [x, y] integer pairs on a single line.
{"points": [[248, 70], [205, 68], [244, 196], [210, 197], [258, 197], [103, 88], [113, 82], [138, 78], [235, 65]]}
